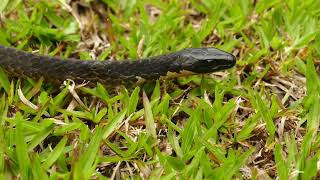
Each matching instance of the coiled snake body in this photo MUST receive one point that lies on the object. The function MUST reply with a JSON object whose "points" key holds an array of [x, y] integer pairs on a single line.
{"points": [[196, 60]]}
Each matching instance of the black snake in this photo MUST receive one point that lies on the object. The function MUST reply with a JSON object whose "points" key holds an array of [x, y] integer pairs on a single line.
{"points": [[196, 60]]}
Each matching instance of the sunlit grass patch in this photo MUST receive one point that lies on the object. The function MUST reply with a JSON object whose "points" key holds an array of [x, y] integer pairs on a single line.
{"points": [[258, 120]]}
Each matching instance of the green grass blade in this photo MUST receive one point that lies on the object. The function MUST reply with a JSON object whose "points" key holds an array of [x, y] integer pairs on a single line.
{"points": [[264, 113], [54, 155], [4, 81], [133, 101], [150, 124], [282, 167], [40, 137], [113, 124], [21, 149], [86, 162]]}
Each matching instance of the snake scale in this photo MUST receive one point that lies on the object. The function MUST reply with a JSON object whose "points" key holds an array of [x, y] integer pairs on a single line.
{"points": [[195, 60]]}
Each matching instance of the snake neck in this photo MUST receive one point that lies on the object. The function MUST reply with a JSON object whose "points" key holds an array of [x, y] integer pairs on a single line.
{"points": [[157, 66]]}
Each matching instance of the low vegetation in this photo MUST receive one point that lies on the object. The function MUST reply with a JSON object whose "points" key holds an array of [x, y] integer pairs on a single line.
{"points": [[258, 120]]}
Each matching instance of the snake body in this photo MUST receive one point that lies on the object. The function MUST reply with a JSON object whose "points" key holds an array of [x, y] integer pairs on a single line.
{"points": [[196, 60]]}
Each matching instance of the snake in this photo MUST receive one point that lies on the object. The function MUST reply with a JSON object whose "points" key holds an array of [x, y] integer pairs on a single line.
{"points": [[24, 64]]}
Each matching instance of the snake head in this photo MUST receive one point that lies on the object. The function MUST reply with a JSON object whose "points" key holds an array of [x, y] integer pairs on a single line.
{"points": [[205, 60]]}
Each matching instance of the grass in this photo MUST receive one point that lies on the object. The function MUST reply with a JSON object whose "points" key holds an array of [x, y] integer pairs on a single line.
{"points": [[259, 120]]}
